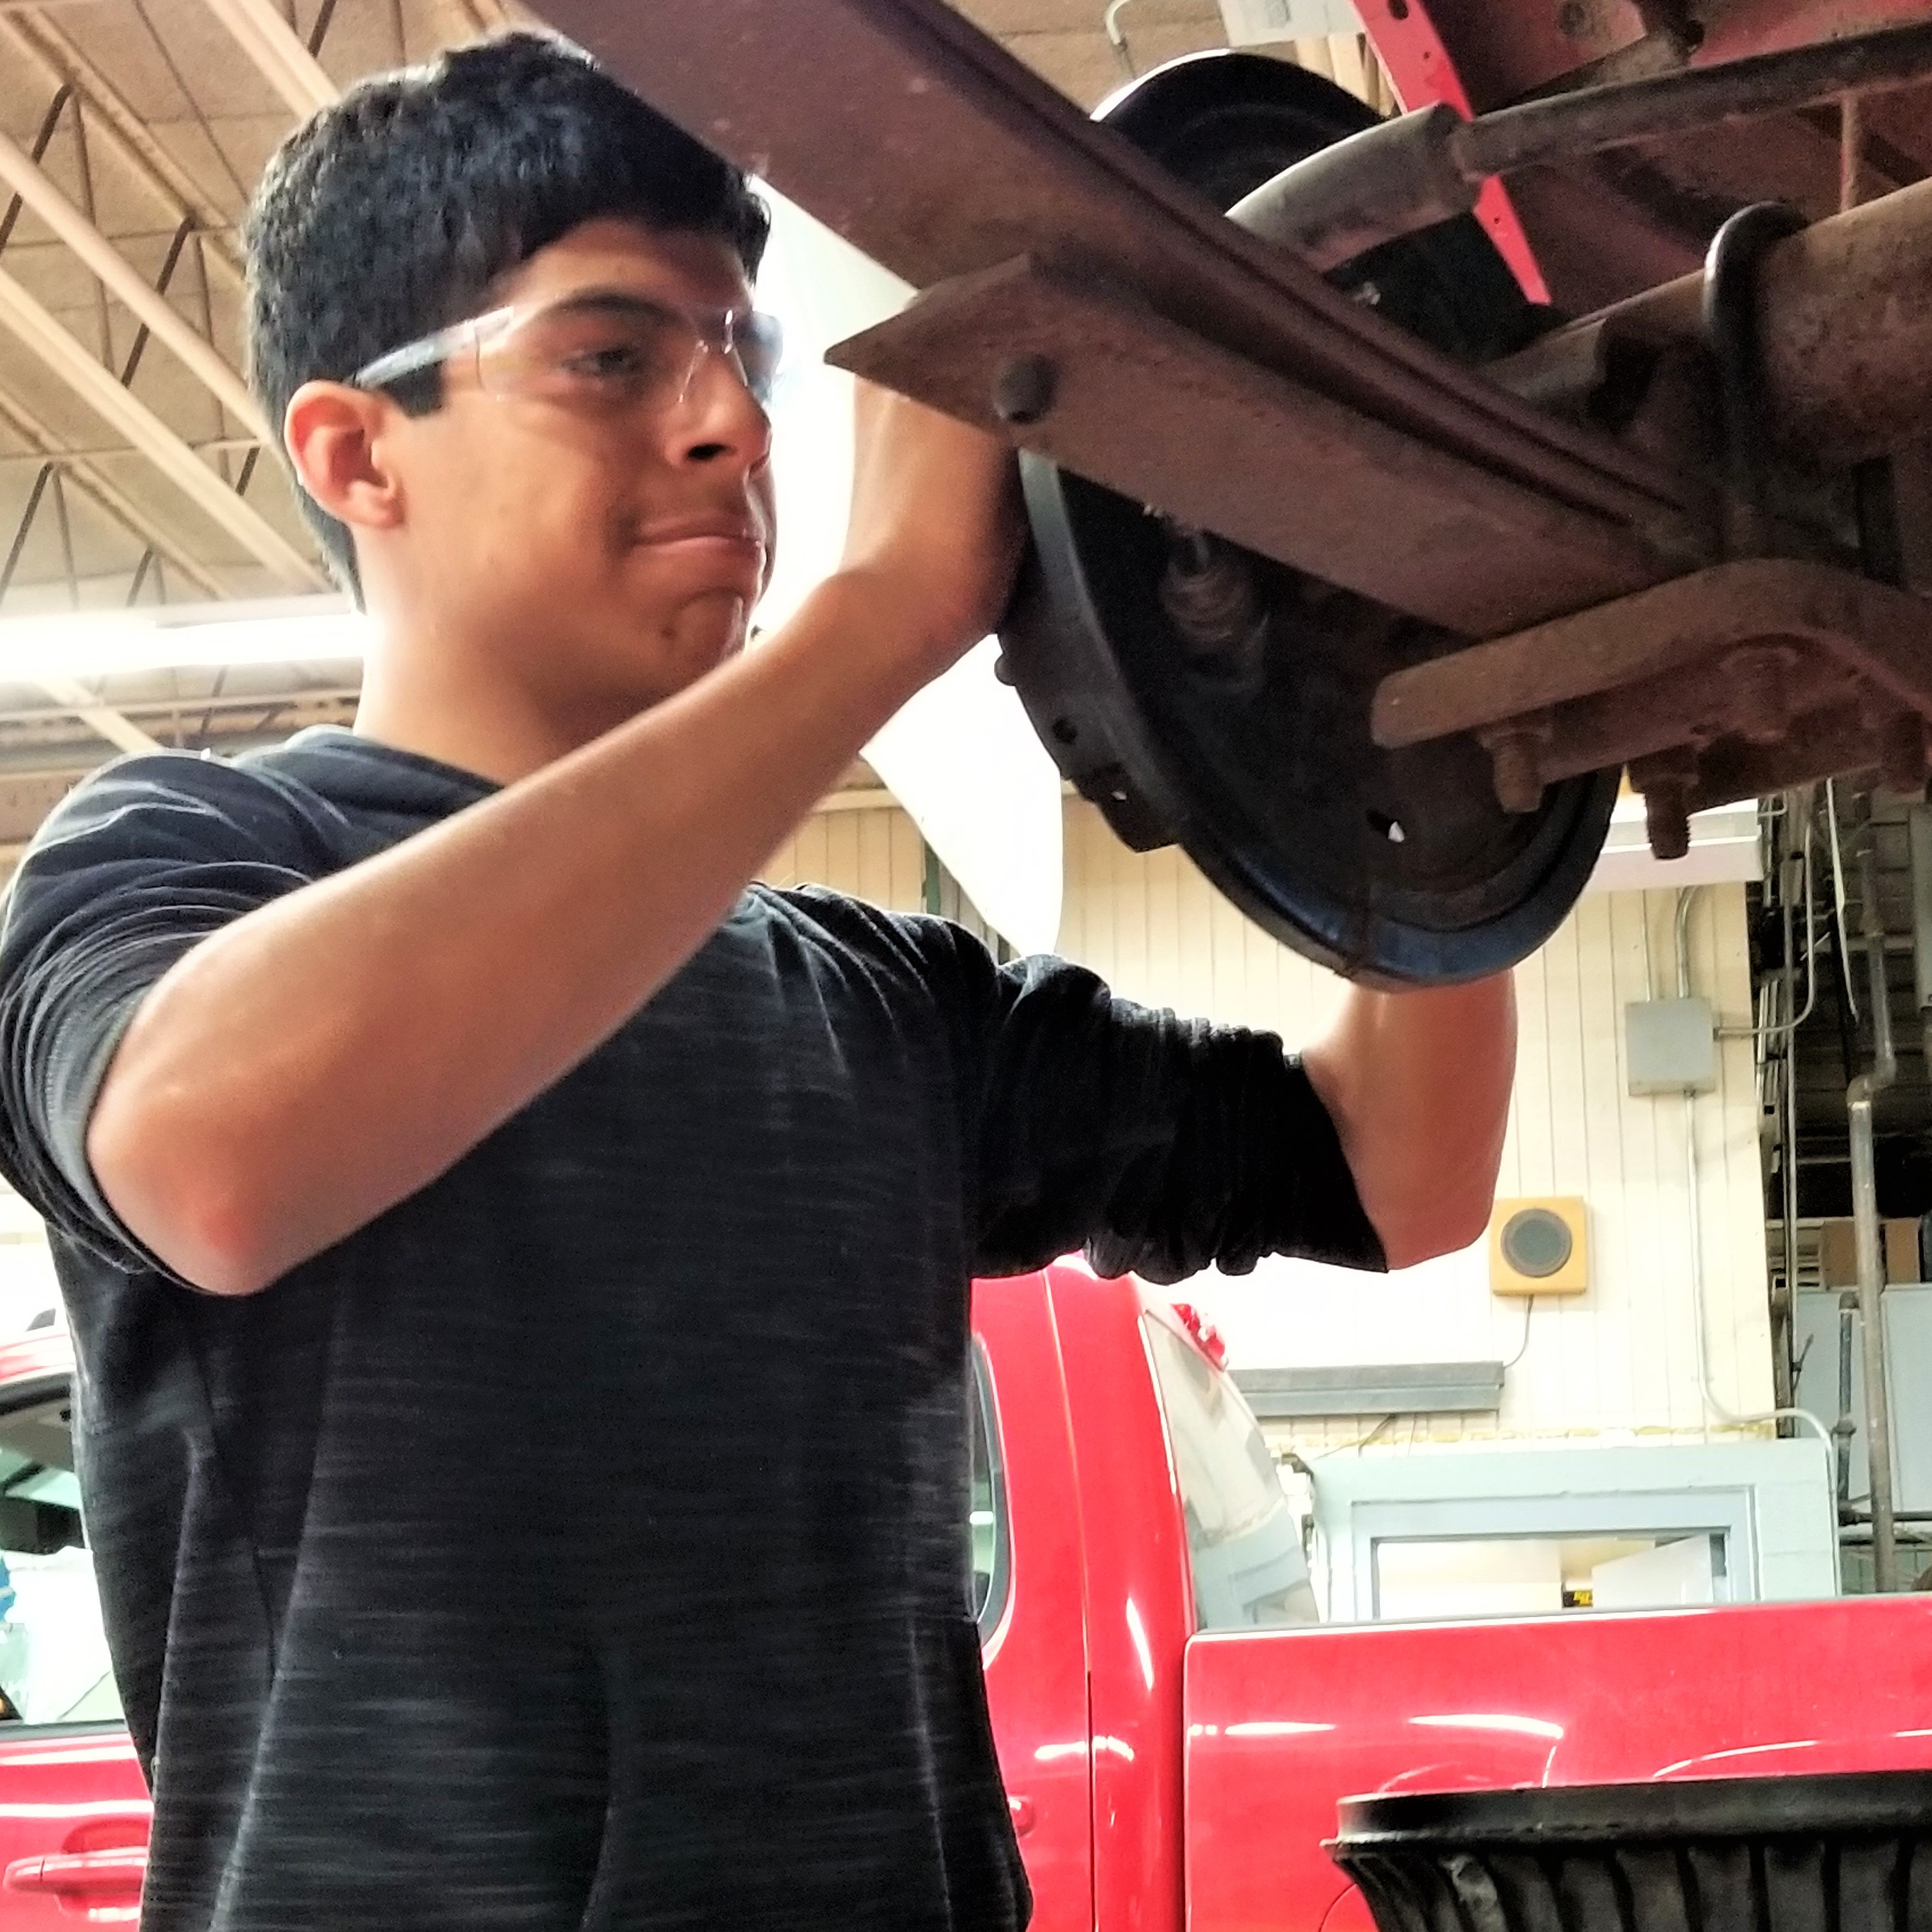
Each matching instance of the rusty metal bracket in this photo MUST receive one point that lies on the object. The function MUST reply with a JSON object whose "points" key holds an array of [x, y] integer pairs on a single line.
{"points": [[938, 154], [1745, 678], [1085, 373]]}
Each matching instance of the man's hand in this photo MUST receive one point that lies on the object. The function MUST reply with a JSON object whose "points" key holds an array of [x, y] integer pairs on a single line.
{"points": [[935, 533], [1418, 1085]]}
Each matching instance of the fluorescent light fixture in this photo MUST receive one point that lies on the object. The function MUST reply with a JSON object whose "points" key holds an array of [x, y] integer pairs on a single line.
{"points": [[304, 630]]}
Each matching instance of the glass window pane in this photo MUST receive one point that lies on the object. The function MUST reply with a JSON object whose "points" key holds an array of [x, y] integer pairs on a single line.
{"points": [[54, 1666], [1243, 1535]]}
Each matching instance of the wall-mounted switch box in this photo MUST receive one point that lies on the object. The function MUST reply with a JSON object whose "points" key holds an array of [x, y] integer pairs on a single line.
{"points": [[1672, 1045]]}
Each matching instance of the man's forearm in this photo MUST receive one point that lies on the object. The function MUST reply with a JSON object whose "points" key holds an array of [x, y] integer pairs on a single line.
{"points": [[325, 1057], [1418, 1086]]}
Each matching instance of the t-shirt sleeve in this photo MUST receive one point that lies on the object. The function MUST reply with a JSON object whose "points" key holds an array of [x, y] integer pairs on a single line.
{"points": [[1161, 1146], [135, 868]]}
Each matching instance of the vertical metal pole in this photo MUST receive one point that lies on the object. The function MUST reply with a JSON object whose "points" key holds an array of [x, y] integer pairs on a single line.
{"points": [[1797, 835], [1871, 1260], [1845, 1427], [1918, 832]]}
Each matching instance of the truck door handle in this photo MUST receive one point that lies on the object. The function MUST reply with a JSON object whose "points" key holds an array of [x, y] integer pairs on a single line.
{"points": [[1021, 1810], [80, 1874]]}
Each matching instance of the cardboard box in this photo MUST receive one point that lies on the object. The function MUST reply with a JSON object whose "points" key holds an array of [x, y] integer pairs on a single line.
{"points": [[1838, 1252]]}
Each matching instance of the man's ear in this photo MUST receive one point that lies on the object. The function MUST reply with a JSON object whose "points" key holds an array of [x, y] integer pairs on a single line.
{"points": [[333, 434]]}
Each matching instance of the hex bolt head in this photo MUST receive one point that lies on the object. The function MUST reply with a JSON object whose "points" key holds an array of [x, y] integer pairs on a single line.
{"points": [[1023, 390]]}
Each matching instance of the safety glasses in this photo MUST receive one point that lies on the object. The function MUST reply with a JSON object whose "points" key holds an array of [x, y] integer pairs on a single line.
{"points": [[607, 352]]}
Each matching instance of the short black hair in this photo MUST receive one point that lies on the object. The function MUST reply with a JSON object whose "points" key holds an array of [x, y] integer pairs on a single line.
{"points": [[388, 213]]}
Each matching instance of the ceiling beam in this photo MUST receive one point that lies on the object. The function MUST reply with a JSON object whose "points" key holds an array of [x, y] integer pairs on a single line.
{"points": [[30, 182], [97, 716], [109, 113], [278, 51], [39, 331], [100, 489]]}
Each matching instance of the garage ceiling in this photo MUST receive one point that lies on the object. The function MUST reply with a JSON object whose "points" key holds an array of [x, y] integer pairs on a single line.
{"points": [[132, 471]]}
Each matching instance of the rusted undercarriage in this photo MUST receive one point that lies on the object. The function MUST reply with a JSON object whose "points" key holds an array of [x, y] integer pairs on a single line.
{"points": [[1687, 534]]}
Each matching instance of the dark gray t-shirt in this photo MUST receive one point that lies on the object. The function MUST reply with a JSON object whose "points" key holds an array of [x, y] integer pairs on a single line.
{"points": [[581, 1543]]}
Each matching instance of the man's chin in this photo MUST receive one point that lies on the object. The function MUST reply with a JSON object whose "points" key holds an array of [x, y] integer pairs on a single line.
{"points": [[671, 656]]}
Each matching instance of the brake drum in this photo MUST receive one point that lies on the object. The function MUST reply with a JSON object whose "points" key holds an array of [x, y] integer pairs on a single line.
{"points": [[1203, 696]]}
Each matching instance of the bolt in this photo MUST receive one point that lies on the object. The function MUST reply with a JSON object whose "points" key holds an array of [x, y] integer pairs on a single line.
{"points": [[1208, 594], [1667, 818], [1022, 392], [1516, 763]]}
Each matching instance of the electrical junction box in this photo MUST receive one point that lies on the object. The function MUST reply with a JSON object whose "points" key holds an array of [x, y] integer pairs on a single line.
{"points": [[1539, 1246], [1672, 1045]]}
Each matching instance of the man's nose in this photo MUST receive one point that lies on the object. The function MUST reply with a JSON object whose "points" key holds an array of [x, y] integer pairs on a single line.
{"points": [[718, 417]]}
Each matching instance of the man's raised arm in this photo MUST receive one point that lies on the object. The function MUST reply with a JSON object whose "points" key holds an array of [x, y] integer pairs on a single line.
{"points": [[323, 1057]]}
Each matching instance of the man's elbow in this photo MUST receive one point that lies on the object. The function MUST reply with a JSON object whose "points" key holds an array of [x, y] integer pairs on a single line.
{"points": [[181, 1194], [1441, 1227]]}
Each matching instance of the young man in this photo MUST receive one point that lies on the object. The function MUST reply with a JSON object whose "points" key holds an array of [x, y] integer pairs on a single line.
{"points": [[519, 1266]]}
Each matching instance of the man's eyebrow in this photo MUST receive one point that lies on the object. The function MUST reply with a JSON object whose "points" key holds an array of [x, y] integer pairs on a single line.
{"points": [[621, 300], [615, 299]]}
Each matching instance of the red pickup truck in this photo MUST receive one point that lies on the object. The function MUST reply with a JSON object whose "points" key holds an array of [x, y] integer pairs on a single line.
{"points": [[1174, 1728]]}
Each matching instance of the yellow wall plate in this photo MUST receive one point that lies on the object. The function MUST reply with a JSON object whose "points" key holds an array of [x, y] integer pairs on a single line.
{"points": [[1540, 1245]]}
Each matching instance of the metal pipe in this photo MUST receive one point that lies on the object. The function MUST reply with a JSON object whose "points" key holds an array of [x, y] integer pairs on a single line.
{"points": [[1797, 876], [1686, 899], [1846, 1428], [1845, 375], [1871, 1261], [1424, 167], [1838, 891], [1918, 832], [1561, 126], [1389, 179]]}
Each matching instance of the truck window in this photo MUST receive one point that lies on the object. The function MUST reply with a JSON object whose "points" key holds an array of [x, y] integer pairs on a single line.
{"points": [[1244, 1536], [53, 1666], [991, 1534]]}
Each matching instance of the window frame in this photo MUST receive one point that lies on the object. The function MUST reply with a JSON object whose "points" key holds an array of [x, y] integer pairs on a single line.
{"points": [[31, 1391], [989, 1616]]}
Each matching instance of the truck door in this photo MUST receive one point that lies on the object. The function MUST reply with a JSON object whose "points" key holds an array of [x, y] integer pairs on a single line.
{"points": [[1028, 1596], [73, 1809]]}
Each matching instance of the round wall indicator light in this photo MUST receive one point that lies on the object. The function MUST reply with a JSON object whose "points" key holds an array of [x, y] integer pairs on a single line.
{"points": [[1537, 1242]]}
